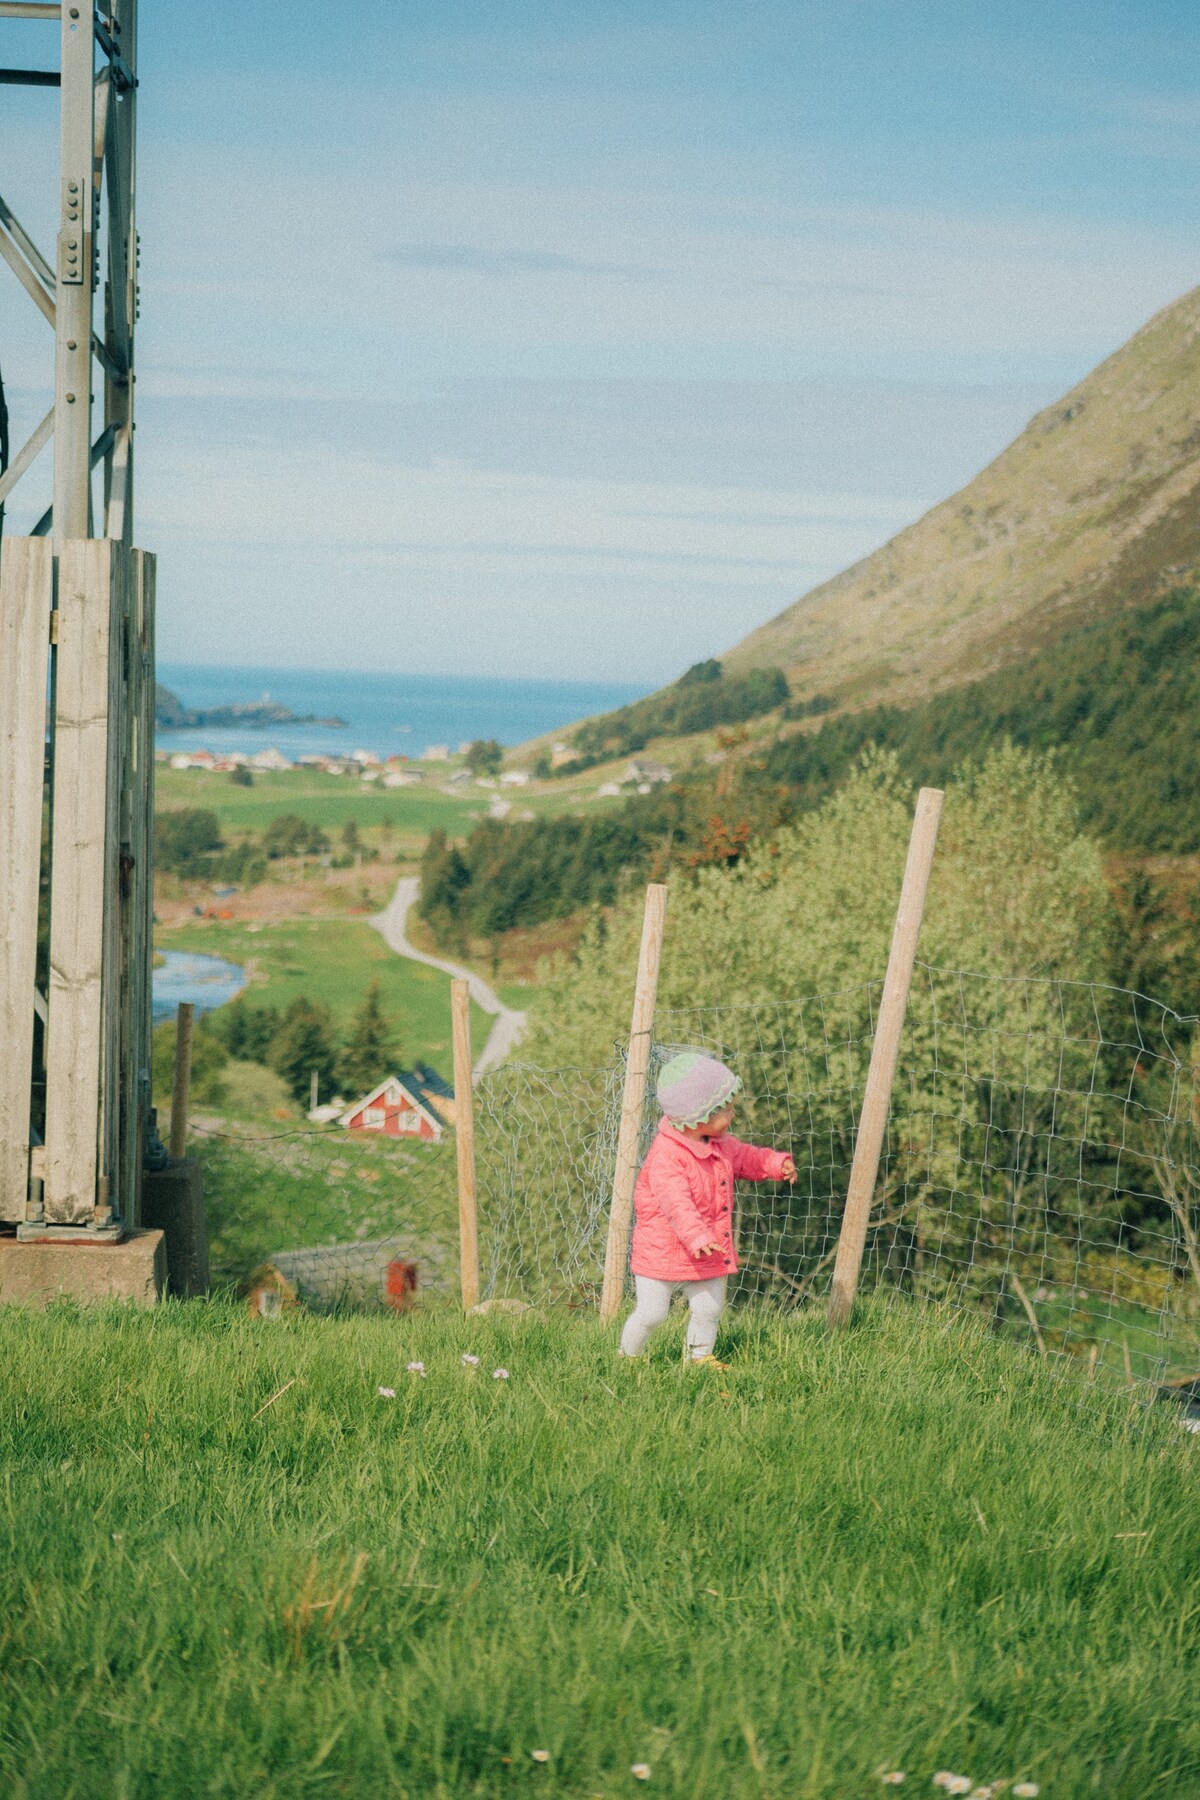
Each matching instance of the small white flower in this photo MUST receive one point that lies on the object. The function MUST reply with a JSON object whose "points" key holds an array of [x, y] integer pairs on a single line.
{"points": [[1026, 1790], [386, 1393], [499, 1374], [640, 1771], [958, 1784], [416, 1368], [893, 1778], [469, 1361], [540, 1755]]}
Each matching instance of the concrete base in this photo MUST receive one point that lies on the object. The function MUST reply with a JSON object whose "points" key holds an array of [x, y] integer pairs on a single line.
{"points": [[35, 1274], [173, 1202]]}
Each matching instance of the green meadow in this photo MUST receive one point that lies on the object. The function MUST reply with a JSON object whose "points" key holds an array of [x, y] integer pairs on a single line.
{"points": [[232, 1567], [333, 961], [408, 815]]}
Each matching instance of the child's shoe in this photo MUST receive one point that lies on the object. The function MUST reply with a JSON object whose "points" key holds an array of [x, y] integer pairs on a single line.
{"points": [[707, 1362]]}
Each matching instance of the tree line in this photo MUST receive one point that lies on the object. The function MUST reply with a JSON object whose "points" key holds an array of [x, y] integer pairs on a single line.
{"points": [[295, 1041], [701, 700]]}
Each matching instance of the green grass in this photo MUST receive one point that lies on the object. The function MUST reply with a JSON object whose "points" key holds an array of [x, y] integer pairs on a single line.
{"points": [[325, 800], [334, 961], [906, 1547], [330, 800]]}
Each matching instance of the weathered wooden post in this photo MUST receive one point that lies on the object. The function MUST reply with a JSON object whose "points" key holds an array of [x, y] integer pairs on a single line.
{"points": [[464, 1144], [633, 1101], [877, 1097], [181, 1084]]}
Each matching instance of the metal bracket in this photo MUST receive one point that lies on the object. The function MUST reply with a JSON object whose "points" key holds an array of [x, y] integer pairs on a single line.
{"points": [[74, 242], [34, 1233]]}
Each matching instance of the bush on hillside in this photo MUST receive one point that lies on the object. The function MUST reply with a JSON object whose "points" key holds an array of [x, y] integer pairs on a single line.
{"points": [[290, 835], [700, 700], [186, 841]]}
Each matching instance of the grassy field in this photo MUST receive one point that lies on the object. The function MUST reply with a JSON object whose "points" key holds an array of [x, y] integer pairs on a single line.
{"points": [[232, 1567], [334, 961], [408, 814]]}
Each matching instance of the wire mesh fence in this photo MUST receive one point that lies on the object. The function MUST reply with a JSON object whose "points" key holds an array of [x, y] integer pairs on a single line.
{"points": [[332, 1209], [1040, 1163], [1041, 1167]]}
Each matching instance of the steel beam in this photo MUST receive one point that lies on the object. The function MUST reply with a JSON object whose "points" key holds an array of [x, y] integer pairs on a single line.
{"points": [[76, 276]]}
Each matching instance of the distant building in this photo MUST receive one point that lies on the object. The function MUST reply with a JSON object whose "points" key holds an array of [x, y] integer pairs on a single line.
{"points": [[650, 772], [270, 759], [515, 778], [499, 809], [459, 776], [416, 1103], [608, 790], [398, 778], [436, 753]]}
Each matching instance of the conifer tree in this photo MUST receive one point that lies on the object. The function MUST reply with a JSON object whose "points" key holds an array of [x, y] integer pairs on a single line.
{"points": [[303, 1043], [370, 1047]]}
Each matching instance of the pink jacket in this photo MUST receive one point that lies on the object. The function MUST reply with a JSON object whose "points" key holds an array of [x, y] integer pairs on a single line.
{"points": [[684, 1198]]}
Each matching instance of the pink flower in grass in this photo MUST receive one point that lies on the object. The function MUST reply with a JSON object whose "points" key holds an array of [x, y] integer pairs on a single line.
{"points": [[416, 1368], [499, 1374], [469, 1361], [386, 1393]]}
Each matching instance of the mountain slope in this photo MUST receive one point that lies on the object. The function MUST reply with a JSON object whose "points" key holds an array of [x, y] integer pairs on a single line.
{"points": [[1097, 502]]}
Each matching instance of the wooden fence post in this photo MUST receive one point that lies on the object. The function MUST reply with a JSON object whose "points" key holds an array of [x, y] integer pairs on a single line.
{"points": [[184, 1021], [877, 1097], [464, 1144], [637, 1068]]}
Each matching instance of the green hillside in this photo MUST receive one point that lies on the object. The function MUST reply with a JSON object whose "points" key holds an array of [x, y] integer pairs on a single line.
{"points": [[1118, 699], [1094, 505]]}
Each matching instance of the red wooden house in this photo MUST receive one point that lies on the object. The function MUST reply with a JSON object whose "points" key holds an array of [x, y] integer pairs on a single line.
{"points": [[413, 1104]]}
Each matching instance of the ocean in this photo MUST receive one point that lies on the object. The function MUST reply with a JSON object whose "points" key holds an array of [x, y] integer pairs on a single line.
{"points": [[397, 715]]}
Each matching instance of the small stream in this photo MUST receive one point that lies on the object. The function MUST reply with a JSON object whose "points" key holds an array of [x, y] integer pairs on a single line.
{"points": [[207, 981]]}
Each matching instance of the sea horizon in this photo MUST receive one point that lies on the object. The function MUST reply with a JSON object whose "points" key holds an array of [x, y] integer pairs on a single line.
{"points": [[389, 714]]}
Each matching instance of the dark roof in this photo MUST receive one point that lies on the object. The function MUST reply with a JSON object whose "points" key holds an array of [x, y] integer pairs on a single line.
{"points": [[426, 1080]]}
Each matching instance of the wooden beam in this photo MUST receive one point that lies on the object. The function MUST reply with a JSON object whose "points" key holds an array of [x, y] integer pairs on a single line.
{"points": [[877, 1096], [83, 855], [464, 1143], [637, 1067], [26, 587]]}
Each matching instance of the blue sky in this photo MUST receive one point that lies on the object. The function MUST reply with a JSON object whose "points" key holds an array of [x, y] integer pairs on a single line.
{"points": [[579, 340]]}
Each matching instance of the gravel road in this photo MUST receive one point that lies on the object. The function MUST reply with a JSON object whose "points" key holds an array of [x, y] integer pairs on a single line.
{"points": [[509, 1026]]}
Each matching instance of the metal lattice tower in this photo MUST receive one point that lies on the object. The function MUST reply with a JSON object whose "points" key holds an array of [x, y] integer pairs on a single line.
{"points": [[77, 683]]}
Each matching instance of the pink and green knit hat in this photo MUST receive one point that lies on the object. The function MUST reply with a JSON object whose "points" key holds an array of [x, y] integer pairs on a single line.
{"points": [[693, 1086]]}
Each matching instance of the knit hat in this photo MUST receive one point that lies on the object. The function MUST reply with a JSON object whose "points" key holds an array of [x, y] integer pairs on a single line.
{"points": [[693, 1086]]}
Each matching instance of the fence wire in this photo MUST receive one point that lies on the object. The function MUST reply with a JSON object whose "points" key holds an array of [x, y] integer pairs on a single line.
{"points": [[1041, 1166]]}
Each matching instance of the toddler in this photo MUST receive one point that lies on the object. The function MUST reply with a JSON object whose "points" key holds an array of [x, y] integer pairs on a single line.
{"points": [[683, 1235]]}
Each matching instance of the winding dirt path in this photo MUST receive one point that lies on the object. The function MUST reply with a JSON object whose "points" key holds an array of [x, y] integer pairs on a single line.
{"points": [[509, 1026]]}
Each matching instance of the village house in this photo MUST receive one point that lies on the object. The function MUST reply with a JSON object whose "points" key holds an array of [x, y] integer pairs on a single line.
{"points": [[650, 772], [416, 1103]]}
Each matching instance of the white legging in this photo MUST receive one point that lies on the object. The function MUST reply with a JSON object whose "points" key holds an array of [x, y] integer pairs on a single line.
{"points": [[653, 1303]]}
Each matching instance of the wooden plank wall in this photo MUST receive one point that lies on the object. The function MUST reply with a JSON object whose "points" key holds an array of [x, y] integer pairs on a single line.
{"points": [[83, 860], [135, 880], [26, 588], [101, 900]]}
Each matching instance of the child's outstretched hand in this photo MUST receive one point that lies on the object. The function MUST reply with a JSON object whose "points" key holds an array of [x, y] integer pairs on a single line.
{"points": [[789, 1169], [709, 1249]]}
